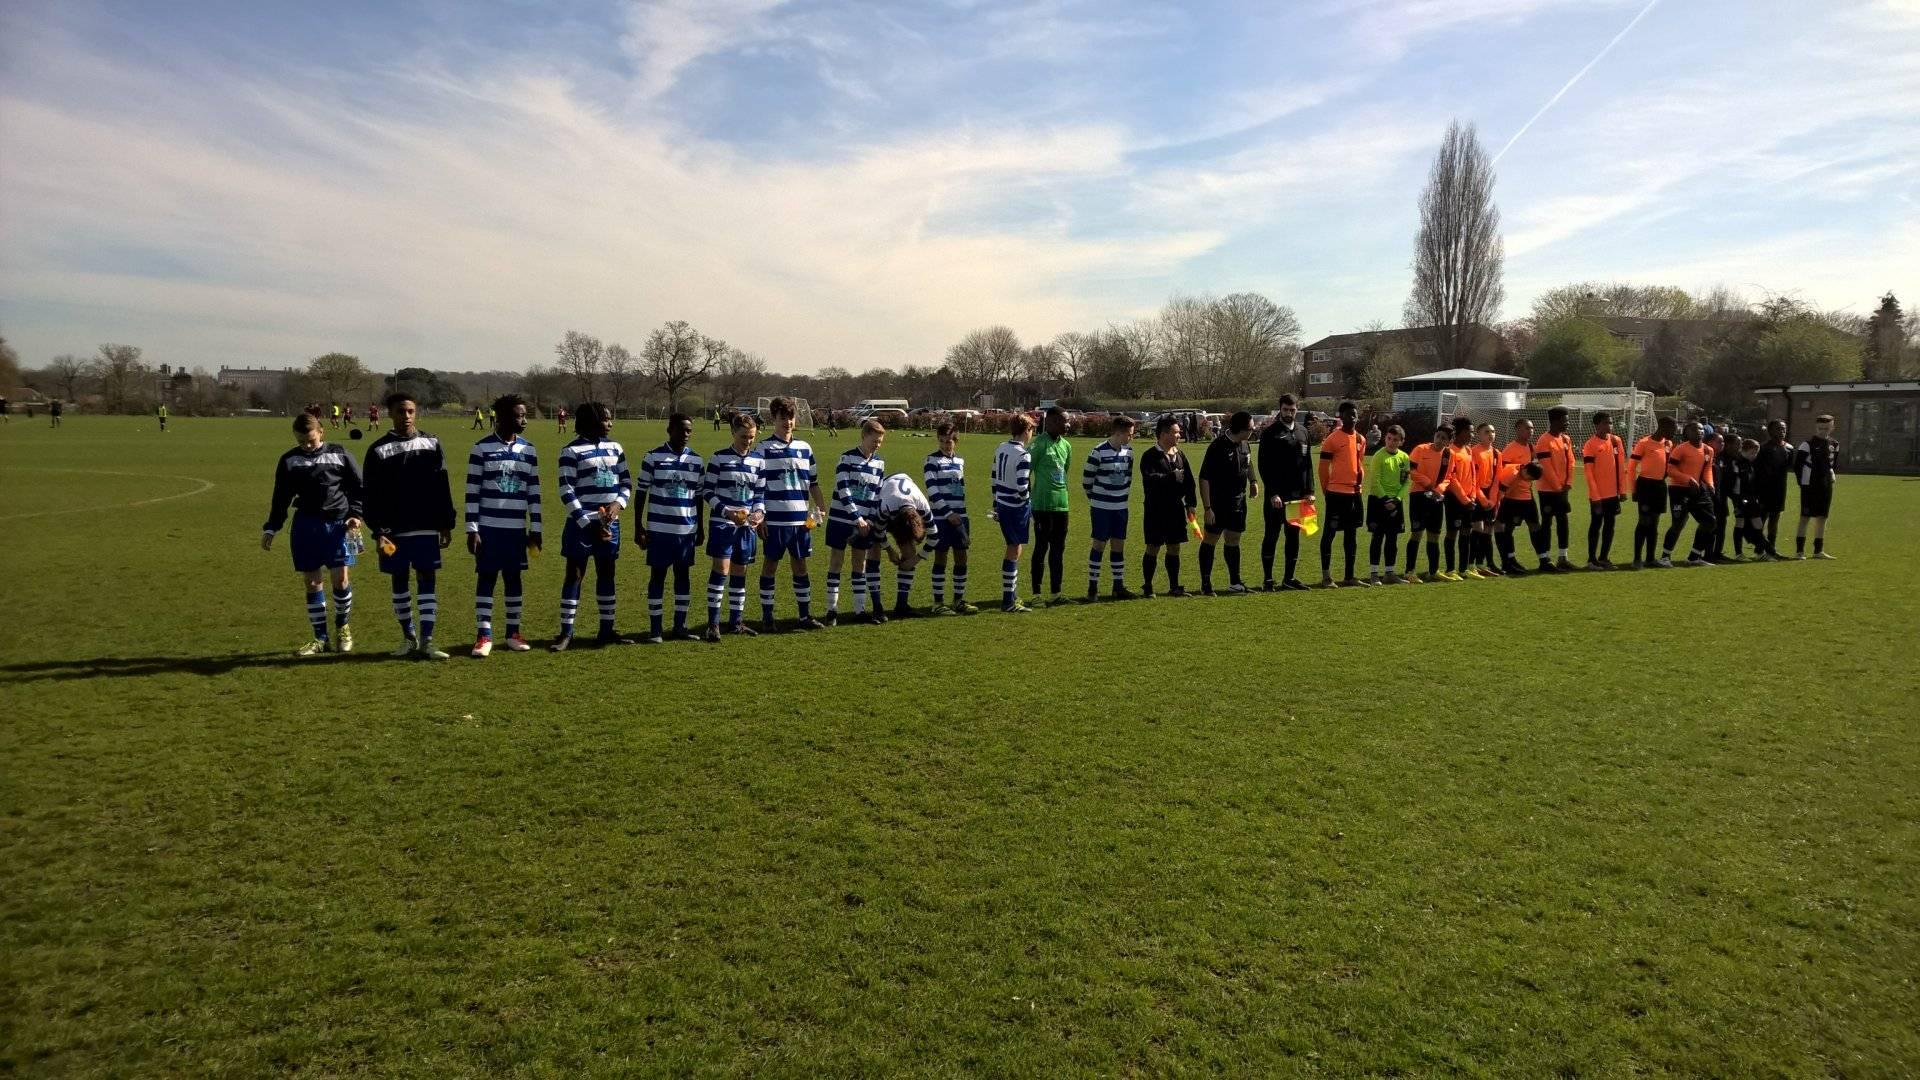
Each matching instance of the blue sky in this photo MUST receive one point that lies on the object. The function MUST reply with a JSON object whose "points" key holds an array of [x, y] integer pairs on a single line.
{"points": [[860, 183]]}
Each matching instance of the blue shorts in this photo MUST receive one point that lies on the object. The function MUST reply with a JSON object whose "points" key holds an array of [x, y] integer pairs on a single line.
{"points": [[317, 542], [1109, 525], [1016, 522], [734, 543], [842, 535], [501, 549], [411, 553], [788, 540], [577, 544], [946, 536], [669, 549]]}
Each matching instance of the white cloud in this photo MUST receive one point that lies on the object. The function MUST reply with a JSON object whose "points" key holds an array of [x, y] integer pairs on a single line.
{"points": [[665, 36]]}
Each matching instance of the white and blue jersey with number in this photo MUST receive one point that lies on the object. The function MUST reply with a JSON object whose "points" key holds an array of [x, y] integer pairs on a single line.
{"points": [[503, 485], [593, 474], [856, 487], [669, 485], [735, 481], [1012, 476], [788, 467], [946, 476], [1108, 476]]}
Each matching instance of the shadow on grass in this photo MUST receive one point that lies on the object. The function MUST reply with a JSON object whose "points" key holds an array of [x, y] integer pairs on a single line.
{"points": [[116, 667]]}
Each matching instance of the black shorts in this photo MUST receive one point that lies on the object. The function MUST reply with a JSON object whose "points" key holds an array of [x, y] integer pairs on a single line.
{"points": [[1342, 512], [1816, 501], [1604, 508], [1227, 519], [1651, 493], [1518, 511], [1427, 511], [1482, 515], [1555, 504], [1385, 515], [1163, 527], [1773, 501], [1459, 515]]}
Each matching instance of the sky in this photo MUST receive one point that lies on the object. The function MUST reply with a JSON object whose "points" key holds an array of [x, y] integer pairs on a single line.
{"points": [[455, 183]]}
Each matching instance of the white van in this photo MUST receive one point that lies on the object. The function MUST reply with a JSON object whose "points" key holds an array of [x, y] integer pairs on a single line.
{"points": [[867, 407]]}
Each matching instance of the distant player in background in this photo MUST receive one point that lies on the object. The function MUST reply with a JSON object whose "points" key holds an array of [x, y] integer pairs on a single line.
{"points": [[346, 412], [503, 520], [54, 409], [794, 505], [479, 419], [1554, 452], [594, 489], [946, 478], [1342, 454], [1814, 466], [410, 509], [560, 419], [1649, 460], [1428, 485], [1603, 460], [373, 416], [734, 488], [1226, 483], [856, 501], [1107, 482], [319, 480], [336, 413], [1167, 491], [1389, 478], [1286, 467], [160, 414], [667, 498], [1012, 490]]}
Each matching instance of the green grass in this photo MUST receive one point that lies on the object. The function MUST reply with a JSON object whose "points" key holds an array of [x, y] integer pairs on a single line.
{"points": [[1665, 822]]}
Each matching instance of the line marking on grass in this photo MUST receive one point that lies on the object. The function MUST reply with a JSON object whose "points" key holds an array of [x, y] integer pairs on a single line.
{"points": [[205, 486]]}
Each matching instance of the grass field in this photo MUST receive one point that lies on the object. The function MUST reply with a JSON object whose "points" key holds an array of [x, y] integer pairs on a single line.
{"points": [[1596, 824]]}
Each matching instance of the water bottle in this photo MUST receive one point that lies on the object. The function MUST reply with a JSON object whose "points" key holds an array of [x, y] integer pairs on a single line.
{"points": [[355, 545]]}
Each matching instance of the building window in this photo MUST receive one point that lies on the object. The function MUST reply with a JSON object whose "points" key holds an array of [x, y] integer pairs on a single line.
{"points": [[1321, 356], [1424, 348], [1319, 378]]}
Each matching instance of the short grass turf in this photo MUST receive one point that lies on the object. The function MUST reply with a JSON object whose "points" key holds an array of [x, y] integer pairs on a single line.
{"points": [[1600, 824]]}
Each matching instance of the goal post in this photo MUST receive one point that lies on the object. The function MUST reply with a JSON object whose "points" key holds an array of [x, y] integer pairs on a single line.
{"points": [[1630, 408]]}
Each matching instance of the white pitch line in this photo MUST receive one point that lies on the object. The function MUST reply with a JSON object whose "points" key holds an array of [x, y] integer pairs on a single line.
{"points": [[205, 486]]}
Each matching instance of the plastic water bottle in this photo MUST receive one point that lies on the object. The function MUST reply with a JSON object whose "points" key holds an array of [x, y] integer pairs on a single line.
{"points": [[355, 545]]}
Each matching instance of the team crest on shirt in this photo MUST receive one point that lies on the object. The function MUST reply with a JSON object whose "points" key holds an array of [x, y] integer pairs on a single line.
{"points": [[605, 478]]}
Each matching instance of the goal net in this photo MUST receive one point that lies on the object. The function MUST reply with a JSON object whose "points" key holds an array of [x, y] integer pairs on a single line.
{"points": [[1630, 408], [802, 412]]}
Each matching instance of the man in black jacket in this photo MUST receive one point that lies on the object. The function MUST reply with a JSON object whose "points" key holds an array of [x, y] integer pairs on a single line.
{"points": [[1286, 469], [410, 507], [1771, 467]]}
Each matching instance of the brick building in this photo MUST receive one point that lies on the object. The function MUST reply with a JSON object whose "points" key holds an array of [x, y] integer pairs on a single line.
{"points": [[1878, 423], [1331, 366]]}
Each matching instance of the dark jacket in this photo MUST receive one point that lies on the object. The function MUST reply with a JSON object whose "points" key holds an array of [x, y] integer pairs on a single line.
{"points": [[1771, 467], [1166, 482], [1286, 462], [407, 488], [323, 481]]}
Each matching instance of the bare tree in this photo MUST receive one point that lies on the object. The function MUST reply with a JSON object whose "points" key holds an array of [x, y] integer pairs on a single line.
{"points": [[580, 357], [543, 386], [119, 370], [1074, 351], [67, 370], [1458, 254], [738, 376], [984, 358], [1124, 356], [1040, 366], [835, 380], [618, 373], [1257, 342], [677, 355]]}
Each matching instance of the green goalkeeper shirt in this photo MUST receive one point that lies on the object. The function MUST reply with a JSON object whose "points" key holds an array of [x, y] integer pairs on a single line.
{"points": [[1389, 474]]}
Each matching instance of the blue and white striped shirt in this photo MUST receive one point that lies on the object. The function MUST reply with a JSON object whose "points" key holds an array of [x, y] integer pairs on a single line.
{"points": [[788, 467], [856, 487], [1108, 477], [670, 487], [735, 481], [946, 476], [503, 485], [592, 475], [1012, 479]]}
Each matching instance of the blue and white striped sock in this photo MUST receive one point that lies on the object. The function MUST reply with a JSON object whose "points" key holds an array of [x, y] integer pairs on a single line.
{"points": [[1117, 563], [656, 606], [483, 615], [569, 607], [737, 600], [1093, 569], [960, 585], [429, 614], [1009, 582], [803, 595], [317, 612], [766, 599], [902, 587], [833, 592], [939, 587], [342, 606], [716, 591], [403, 609]]}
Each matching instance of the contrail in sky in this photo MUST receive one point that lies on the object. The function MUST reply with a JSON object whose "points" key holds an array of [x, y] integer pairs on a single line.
{"points": [[1577, 76]]}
